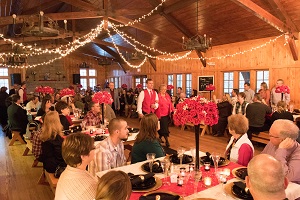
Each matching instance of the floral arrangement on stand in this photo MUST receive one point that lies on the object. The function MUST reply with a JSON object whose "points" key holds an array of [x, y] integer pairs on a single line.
{"points": [[124, 86], [170, 87], [210, 88], [45, 90], [139, 86], [66, 92], [102, 97], [283, 89], [196, 110]]}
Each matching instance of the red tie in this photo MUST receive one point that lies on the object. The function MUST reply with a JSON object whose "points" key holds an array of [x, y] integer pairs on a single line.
{"points": [[151, 93]]}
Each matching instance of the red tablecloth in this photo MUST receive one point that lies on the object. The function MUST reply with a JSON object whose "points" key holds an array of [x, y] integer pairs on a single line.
{"points": [[189, 188]]}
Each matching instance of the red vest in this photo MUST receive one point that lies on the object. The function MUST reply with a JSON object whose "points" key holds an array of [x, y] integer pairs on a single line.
{"points": [[146, 105], [24, 94]]}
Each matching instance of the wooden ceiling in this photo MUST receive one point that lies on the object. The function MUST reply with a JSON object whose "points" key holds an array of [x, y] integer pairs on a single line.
{"points": [[225, 21]]}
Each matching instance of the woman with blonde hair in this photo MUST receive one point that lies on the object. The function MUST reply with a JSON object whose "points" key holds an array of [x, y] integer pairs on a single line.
{"points": [[114, 185], [239, 148], [146, 140], [281, 112], [265, 93], [51, 137]]}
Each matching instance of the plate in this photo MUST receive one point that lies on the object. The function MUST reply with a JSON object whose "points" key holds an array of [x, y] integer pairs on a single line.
{"points": [[185, 159], [133, 130], [148, 183], [157, 185], [238, 172], [240, 193], [156, 168], [222, 162], [162, 195]]}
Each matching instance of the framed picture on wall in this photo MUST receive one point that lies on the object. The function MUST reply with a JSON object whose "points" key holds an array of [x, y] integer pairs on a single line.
{"points": [[203, 81]]}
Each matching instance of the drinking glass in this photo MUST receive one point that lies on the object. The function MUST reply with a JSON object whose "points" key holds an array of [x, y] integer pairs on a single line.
{"points": [[197, 178], [193, 152], [222, 179], [215, 157], [180, 152], [83, 124], [165, 164], [150, 158]]}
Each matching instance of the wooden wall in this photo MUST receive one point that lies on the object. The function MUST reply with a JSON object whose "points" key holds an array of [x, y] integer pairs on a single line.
{"points": [[275, 57]]}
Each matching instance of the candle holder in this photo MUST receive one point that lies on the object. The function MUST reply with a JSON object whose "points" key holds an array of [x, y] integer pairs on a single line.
{"points": [[191, 167], [182, 171], [207, 166], [226, 172], [207, 181]]}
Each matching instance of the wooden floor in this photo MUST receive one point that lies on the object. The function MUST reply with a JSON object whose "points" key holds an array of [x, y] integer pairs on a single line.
{"points": [[18, 179]]}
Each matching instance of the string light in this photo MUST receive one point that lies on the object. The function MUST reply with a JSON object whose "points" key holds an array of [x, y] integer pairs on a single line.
{"points": [[138, 20]]}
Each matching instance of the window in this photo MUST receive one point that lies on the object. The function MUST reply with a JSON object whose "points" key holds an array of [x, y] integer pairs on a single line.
{"points": [[262, 76], [116, 81], [88, 78], [141, 80], [188, 85], [170, 82], [4, 77], [228, 82], [244, 77], [179, 80]]}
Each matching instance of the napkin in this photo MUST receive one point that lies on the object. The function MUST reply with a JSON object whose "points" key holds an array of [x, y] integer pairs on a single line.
{"points": [[238, 189], [99, 137], [163, 196], [208, 158], [156, 167], [185, 159], [135, 180]]}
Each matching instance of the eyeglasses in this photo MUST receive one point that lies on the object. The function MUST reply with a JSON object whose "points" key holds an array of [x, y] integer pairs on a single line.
{"points": [[274, 136]]}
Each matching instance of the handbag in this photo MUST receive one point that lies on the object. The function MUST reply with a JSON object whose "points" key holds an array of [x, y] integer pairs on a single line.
{"points": [[58, 171]]}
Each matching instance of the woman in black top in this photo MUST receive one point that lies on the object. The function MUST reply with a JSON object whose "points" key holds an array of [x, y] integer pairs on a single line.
{"points": [[46, 106], [52, 140], [63, 110]]}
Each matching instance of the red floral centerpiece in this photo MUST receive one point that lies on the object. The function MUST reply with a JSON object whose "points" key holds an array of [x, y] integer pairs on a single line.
{"points": [[39, 89], [283, 89], [170, 87], [196, 110], [124, 86], [102, 97], [139, 86], [66, 91], [46, 89]]}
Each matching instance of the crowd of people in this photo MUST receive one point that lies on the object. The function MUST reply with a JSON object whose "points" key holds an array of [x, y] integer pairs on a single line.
{"points": [[243, 114]]}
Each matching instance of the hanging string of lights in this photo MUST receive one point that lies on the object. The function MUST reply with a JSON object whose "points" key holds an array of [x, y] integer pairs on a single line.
{"points": [[138, 20]]}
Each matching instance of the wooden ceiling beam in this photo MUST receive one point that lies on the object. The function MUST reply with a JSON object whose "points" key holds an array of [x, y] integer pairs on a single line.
{"points": [[115, 55], [43, 6], [293, 47], [54, 16], [152, 64], [81, 4], [279, 9], [178, 5], [179, 26], [262, 14], [146, 29]]}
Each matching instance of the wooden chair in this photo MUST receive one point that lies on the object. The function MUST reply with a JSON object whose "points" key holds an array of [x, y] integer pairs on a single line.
{"points": [[16, 137]]}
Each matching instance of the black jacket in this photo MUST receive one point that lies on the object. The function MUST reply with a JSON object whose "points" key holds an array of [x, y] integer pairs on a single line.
{"points": [[17, 117]]}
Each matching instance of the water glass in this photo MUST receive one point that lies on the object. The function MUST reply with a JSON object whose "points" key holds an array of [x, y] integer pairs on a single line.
{"points": [[150, 157], [215, 157], [180, 152], [165, 164]]}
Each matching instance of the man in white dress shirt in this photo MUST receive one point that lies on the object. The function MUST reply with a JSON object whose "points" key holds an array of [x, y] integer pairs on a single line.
{"points": [[147, 100]]}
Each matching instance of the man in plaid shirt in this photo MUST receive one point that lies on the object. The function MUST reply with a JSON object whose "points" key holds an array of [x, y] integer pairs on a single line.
{"points": [[110, 152], [36, 143], [93, 117]]}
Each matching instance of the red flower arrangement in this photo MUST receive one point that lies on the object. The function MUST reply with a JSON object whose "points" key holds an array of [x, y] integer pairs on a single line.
{"points": [[139, 86], [46, 89], [210, 87], [282, 89], [79, 86], [102, 97], [196, 110], [124, 86], [66, 91], [170, 87]]}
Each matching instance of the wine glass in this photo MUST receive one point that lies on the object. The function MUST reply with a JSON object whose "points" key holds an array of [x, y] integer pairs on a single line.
{"points": [[180, 152], [222, 179], [150, 157], [193, 152], [215, 157], [165, 164], [197, 178]]}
